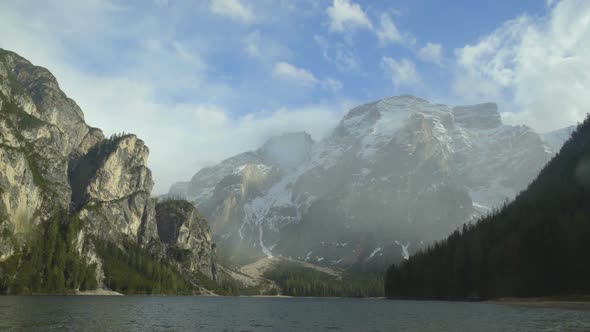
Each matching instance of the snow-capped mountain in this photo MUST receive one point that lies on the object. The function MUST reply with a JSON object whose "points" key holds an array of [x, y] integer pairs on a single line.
{"points": [[394, 175]]}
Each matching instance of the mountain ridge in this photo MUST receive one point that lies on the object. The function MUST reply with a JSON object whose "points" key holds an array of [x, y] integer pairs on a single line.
{"points": [[468, 162]]}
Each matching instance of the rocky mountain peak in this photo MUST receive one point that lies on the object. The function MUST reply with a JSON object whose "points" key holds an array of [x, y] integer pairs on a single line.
{"points": [[400, 168], [384, 117]]}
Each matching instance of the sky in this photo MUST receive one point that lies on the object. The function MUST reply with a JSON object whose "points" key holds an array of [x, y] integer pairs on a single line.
{"points": [[200, 81]]}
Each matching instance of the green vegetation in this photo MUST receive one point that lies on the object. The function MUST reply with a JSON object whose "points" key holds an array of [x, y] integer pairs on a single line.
{"points": [[297, 280], [48, 262], [130, 269], [182, 256], [226, 286], [535, 246]]}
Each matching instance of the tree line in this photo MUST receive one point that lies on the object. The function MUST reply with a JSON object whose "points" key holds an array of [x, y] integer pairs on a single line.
{"points": [[131, 269], [296, 280], [48, 261], [537, 245]]}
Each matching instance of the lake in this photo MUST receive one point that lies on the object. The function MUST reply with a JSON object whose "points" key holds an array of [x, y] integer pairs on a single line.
{"points": [[168, 313]]}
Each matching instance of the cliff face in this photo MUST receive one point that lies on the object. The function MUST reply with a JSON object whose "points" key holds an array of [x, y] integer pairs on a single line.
{"points": [[51, 160], [113, 185], [185, 232], [39, 129]]}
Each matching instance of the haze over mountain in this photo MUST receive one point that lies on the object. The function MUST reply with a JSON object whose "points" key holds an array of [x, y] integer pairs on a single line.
{"points": [[394, 175], [191, 73]]}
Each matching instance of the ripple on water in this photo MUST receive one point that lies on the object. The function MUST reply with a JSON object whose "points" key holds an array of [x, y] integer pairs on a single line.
{"points": [[274, 314]]}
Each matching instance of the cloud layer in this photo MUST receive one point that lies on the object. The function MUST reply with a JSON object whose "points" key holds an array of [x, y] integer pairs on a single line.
{"points": [[537, 66], [201, 81]]}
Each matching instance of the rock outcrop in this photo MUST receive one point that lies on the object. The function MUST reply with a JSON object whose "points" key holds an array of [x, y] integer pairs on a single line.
{"points": [[113, 184], [187, 234]]}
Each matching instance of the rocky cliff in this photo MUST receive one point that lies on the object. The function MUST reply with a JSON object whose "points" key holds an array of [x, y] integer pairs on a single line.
{"points": [[186, 234], [393, 176], [51, 160]]}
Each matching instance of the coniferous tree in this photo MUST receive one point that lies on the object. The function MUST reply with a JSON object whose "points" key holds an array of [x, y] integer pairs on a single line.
{"points": [[535, 246]]}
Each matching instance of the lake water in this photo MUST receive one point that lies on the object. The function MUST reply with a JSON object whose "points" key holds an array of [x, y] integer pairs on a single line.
{"points": [[152, 313]]}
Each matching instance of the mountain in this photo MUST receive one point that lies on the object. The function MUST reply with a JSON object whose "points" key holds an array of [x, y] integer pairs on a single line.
{"points": [[69, 197], [555, 139], [393, 176], [535, 246]]}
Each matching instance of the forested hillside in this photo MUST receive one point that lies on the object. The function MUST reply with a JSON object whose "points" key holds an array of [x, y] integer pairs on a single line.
{"points": [[538, 245], [297, 280], [49, 261]]}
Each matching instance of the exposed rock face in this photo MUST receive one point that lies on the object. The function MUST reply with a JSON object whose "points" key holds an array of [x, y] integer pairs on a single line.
{"points": [[182, 227], [50, 160], [39, 129], [113, 184], [393, 176]]}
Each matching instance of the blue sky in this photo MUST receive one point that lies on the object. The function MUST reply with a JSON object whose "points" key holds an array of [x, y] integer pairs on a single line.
{"points": [[200, 81]]}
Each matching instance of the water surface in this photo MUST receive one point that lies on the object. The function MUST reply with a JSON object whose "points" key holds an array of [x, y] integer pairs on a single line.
{"points": [[168, 313]]}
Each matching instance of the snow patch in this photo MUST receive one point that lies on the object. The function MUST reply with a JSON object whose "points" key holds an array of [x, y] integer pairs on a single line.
{"points": [[404, 247], [265, 250], [374, 252]]}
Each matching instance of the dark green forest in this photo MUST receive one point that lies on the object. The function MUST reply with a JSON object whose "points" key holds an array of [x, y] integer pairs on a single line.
{"points": [[48, 262], [297, 280], [130, 269], [537, 245]]}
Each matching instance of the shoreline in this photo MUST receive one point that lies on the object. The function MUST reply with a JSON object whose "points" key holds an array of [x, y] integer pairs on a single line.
{"points": [[98, 292], [545, 303]]}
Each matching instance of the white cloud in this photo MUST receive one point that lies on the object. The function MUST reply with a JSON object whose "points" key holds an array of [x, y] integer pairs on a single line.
{"points": [[332, 84], [303, 77], [343, 58], [183, 136], [538, 66], [431, 52], [232, 8], [346, 60], [402, 72], [260, 46], [287, 71], [345, 14], [388, 32]]}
